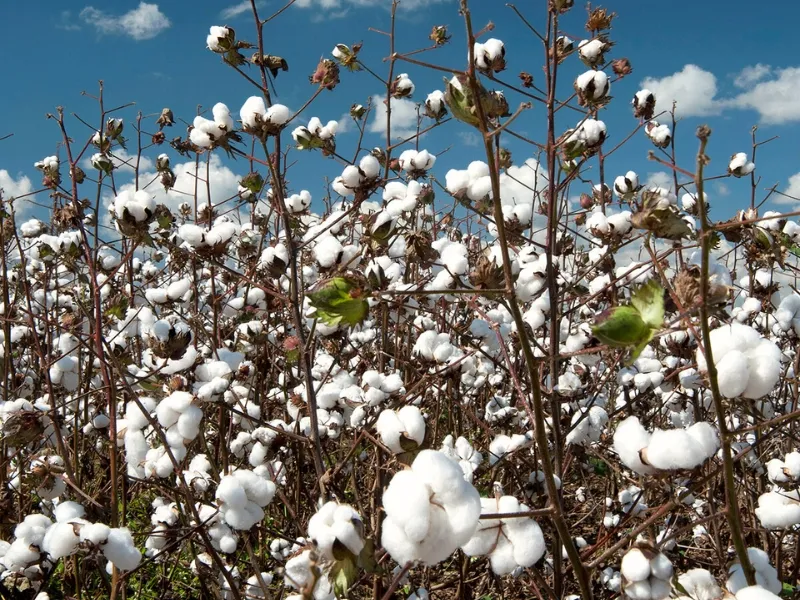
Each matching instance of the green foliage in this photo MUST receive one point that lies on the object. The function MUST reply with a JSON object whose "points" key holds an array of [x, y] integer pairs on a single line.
{"points": [[339, 300], [633, 326]]}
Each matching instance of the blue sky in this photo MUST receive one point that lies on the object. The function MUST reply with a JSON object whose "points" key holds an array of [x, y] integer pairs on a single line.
{"points": [[742, 71]]}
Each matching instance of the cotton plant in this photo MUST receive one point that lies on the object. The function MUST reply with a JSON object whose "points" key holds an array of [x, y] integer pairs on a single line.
{"points": [[509, 542], [765, 574], [646, 573], [748, 365], [431, 510], [401, 430], [740, 165], [648, 453]]}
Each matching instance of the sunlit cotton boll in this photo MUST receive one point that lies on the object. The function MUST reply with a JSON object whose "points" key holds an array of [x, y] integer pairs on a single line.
{"points": [[748, 365], [430, 510]]}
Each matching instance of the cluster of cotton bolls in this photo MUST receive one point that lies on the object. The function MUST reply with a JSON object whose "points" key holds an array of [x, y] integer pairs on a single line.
{"points": [[260, 120], [302, 572], [243, 494], [664, 449], [64, 371], [602, 225], [37, 538], [748, 365], [646, 573], [510, 542], [315, 129], [779, 508], [220, 233], [431, 510], [503, 444], [587, 425], [401, 428], [355, 177], [416, 161], [437, 347], [740, 165], [645, 373]]}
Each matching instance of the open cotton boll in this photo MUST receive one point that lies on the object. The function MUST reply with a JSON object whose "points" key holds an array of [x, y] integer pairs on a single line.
{"points": [[751, 364], [222, 116], [766, 575], [430, 510], [302, 573], [60, 540], [635, 565], [740, 166], [699, 584], [95, 533], [629, 438], [682, 449], [336, 522], [253, 112], [511, 542], [406, 423], [328, 251], [755, 592], [120, 549], [778, 509]]}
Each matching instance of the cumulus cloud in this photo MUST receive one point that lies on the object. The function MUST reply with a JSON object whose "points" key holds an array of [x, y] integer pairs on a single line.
{"points": [[469, 138], [224, 184], [692, 88], [17, 188], [404, 117], [339, 4], [659, 179], [774, 99], [235, 10], [752, 74], [790, 195], [142, 23]]}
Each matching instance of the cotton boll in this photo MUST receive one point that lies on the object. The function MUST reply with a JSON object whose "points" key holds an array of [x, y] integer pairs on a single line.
{"points": [[67, 511], [95, 533], [629, 438], [60, 541], [639, 590], [120, 549], [635, 565], [779, 510], [700, 585]]}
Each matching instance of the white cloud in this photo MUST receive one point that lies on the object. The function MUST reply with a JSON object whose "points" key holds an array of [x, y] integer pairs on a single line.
{"points": [[16, 188], [237, 9], [142, 23], [722, 189], [693, 88], [337, 4], [66, 22], [404, 117], [793, 190], [469, 138], [224, 184], [752, 74], [660, 179], [345, 124], [775, 100]]}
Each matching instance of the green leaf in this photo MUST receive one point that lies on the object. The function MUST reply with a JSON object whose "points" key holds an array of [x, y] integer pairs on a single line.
{"points": [[649, 301], [622, 328], [118, 309], [344, 574], [339, 300], [633, 326]]}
